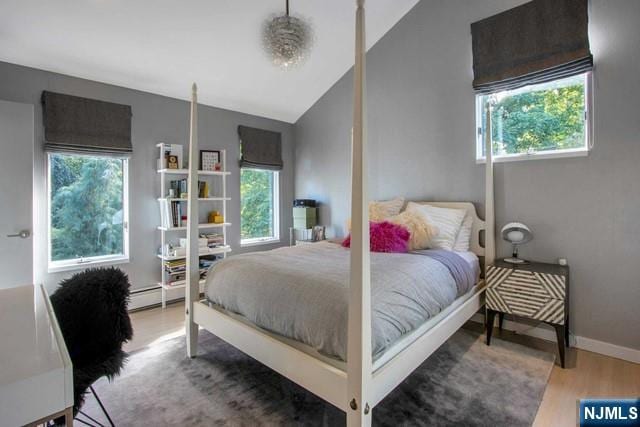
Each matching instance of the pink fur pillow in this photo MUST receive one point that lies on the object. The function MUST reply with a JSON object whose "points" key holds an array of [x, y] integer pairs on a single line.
{"points": [[385, 237]]}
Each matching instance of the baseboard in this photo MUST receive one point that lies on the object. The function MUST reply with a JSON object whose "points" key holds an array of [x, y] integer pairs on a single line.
{"points": [[149, 297], [583, 343]]}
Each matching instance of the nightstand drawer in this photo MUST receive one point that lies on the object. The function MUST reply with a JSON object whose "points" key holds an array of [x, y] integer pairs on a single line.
{"points": [[539, 296]]}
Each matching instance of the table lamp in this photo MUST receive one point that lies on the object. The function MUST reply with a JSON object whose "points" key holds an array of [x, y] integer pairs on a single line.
{"points": [[516, 233]]}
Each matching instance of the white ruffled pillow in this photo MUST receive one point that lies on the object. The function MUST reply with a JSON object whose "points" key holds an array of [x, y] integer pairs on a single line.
{"points": [[448, 221], [464, 235], [421, 230]]}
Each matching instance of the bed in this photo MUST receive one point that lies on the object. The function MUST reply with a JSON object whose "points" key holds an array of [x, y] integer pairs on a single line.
{"points": [[301, 292], [252, 302], [358, 369]]}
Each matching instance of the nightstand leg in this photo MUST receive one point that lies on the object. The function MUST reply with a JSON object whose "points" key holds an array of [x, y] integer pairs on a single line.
{"points": [[560, 336], [566, 331], [500, 320], [491, 317]]}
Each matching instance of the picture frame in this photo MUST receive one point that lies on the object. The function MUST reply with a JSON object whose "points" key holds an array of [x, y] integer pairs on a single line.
{"points": [[172, 162], [210, 160]]}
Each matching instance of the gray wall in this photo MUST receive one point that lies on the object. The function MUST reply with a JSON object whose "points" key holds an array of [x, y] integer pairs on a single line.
{"points": [[155, 119], [422, 146]]}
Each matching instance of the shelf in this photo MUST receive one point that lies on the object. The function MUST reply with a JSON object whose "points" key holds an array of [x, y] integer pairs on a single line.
{"points": [[200, 226], [214, 251], [201, 199], [180, 284], [186, 172]]}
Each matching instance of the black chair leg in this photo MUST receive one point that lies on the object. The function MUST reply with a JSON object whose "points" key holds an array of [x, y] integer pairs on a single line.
{"points": [[93, 420], [101, 406]]}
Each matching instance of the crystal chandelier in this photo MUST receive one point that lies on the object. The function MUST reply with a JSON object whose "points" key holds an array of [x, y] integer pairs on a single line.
{"points": [[286, 39]]}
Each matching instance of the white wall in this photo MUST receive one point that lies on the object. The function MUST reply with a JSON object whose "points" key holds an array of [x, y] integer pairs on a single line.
{"points": [[155, 119], [422, 146]]}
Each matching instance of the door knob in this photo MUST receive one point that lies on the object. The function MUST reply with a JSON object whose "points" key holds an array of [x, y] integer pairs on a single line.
{"points": [[23, 234]]}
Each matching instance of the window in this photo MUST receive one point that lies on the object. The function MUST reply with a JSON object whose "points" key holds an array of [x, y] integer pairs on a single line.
{"points": [[537, 121], [259, 211], [88, 210]]}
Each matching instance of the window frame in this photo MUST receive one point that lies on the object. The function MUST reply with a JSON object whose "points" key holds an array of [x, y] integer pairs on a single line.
{"points": [[537, 155], [82, 263], [257, 241]]}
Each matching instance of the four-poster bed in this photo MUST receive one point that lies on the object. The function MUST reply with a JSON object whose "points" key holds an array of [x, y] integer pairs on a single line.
{"points": [[357, 385]]}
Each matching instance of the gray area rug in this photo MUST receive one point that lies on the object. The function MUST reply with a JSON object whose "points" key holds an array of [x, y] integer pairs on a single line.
{"points": [[465, 383]]}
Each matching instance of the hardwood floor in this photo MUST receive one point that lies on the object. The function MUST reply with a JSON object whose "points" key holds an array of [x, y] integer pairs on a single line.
{"points": [[587, 374]]}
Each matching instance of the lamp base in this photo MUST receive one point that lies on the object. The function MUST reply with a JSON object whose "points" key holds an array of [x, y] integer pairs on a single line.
{"points": [[516, 261]]}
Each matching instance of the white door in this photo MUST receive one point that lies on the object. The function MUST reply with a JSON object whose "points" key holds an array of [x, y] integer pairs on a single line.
{"points": [[16, 194]]}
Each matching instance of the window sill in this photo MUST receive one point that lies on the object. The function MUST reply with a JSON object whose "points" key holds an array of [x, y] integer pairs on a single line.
{"points": [[536, 156], [259, 242], [84, 265]]}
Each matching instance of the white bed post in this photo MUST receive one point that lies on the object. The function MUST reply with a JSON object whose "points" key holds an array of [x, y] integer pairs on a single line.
{"points": [[359, 334], [490, 222], [192, 290]]}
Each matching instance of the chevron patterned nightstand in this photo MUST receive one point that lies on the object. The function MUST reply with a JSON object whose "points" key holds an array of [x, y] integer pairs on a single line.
{"points": [[534, 291]]}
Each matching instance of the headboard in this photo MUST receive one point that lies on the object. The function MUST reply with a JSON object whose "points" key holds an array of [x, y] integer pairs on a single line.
{"points": [[478, 224]]}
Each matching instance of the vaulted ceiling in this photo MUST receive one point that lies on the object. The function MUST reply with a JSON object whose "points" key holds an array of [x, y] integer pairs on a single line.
{"points": [[161, 46]]}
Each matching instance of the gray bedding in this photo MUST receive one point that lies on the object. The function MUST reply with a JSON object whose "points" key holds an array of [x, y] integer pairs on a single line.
{"points": [[302, 292]]}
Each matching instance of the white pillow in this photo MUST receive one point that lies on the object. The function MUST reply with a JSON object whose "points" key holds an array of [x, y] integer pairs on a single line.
{"points": [[464, 235], [448, 221]]}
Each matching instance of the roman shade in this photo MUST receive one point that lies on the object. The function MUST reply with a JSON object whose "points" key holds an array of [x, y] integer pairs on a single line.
{"points": [[536, 42], [260, 149], [81, 125]]}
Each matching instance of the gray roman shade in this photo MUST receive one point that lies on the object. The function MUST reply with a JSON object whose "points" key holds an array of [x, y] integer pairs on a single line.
{"points": [[81, 125], [536, 42], [260, 149]]}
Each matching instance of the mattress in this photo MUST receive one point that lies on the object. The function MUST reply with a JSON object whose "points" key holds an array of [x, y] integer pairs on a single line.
{"points": [[301, 293], [381, 358]]}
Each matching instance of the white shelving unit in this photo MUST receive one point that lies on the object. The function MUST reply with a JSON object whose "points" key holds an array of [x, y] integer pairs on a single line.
{"points": [[171, 234]]}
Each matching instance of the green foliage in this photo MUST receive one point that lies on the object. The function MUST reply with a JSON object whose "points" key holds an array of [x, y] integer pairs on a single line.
{"points": [[539, 120], [256, 213], [86, 206]]}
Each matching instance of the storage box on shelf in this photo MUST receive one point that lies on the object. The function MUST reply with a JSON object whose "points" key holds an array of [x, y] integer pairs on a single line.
{"points": [[213, 246]]}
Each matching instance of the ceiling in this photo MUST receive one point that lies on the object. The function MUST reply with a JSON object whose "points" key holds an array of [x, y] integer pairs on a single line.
{"points": [[161, 46]]}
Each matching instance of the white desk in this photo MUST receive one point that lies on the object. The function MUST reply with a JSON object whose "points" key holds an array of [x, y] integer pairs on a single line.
{"points": [[36, 380]]}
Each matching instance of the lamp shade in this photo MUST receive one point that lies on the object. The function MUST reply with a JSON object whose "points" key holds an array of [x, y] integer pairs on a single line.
{"points": [[516, 233]]}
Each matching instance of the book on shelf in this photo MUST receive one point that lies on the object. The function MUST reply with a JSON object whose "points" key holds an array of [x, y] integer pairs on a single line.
{"points": [[176, 269], [180, 188], [172, 213]]}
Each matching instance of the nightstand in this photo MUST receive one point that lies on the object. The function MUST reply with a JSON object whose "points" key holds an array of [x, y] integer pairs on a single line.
{"points": [[533, 291]]}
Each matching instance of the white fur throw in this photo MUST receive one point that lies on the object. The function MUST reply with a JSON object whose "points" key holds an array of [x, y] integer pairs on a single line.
{"points": [[421, 230], [381, 210]]}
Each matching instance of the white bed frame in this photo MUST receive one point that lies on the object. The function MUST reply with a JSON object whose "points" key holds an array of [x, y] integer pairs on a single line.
{"points": [[358, 389]]}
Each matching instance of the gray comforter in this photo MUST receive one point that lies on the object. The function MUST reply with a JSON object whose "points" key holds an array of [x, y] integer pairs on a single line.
{"points": [[302, 293]]}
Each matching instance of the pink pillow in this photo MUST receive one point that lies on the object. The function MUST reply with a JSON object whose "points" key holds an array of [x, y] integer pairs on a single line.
{"points": [[385, 237]]}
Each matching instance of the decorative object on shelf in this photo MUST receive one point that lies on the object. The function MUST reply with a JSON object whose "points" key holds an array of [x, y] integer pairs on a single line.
{"points": [[516, 233], [304, 203], [287, 39], [533, 291], [167, 150], [172, 162], [215, 217], [210, 160], [318, 233], [304, 218]]}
